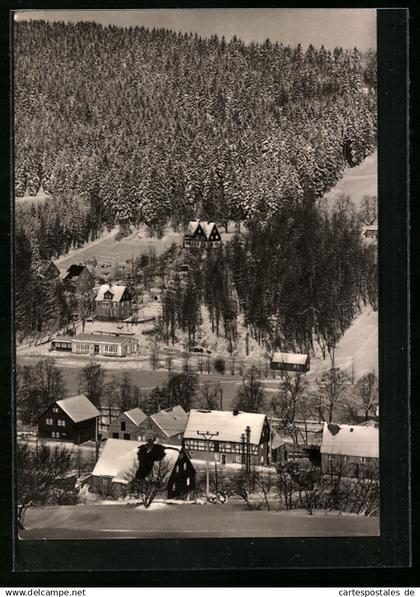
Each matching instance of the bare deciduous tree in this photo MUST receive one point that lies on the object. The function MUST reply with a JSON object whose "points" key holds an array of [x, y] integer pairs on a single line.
{"points": [[291, 405], [331, 391], [38, 470], [367, 390], [368, 209], [154, 484]]}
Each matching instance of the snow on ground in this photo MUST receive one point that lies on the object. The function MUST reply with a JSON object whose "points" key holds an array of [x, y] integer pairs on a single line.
{"points": [[357, 182], [227, 520]]}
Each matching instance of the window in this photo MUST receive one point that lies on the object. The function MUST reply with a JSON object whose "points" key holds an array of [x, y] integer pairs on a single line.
{"points": [[122, 425], [111, 348], [238, 459], [126, 436], [61, 423], [185, 466], [173, 486], [217, 456], [55, 434], [188, 481], [55, 409], [177, 468], [49, 421], [115, 435], [363, 459]]}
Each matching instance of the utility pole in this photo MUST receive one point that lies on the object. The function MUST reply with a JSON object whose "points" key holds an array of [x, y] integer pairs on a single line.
{"points": [[248, 449], [220, 390], [207, 435]]}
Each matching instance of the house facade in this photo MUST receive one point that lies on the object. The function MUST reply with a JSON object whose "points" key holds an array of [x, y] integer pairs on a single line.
{"points": [[73, 419], [349, 450], [235, 436], [125, 424], [167, 426], [118, 464], [202, 235], [112, 303], [291, 362], [61, 343], [110, 345], [78, 279]]}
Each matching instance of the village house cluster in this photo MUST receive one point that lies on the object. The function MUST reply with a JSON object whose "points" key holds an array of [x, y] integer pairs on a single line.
{"points": [[231, 439]]}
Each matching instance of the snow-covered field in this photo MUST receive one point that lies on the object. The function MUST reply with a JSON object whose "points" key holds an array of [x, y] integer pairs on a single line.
{"points": [[357, 182], [227, 520]]}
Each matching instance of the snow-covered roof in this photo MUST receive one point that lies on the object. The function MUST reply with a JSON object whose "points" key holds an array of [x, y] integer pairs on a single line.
{"points": [[171, 420], [192, 226], [136, 415], [371, 227], [78, 408], [290, 358], [117, 292], [208, 228], [350, 440], [119, 460], [229, 426], [104, 338], [74, 271]]}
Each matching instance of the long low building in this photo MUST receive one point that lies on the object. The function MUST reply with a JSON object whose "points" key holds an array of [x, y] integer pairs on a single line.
{"points": [[111, 345]]}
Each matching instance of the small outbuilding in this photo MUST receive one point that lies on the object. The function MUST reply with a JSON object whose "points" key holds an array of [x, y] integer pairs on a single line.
{"points": [[371, 231], [72, 419], [290, 361]]}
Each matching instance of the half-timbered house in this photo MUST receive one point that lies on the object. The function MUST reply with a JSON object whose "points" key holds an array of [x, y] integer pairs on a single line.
{"points": [[235, 435]]}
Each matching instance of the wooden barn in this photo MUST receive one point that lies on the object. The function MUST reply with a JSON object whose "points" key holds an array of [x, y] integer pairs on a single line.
{"points": [[350, 450], [103, 344], [202, 235], [78, 279], [236, 435], [73, 419], [119, 463], [167, 426], [290, 361], [112, 303], [124, 426]]}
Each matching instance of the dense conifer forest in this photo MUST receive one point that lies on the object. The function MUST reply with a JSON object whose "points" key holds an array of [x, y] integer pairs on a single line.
{"points": [[129, 126]]}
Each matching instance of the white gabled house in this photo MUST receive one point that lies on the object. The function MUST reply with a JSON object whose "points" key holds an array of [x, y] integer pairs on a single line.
{"points": [[350, 450], [235, 433]]}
